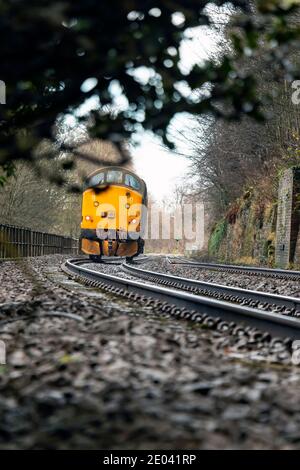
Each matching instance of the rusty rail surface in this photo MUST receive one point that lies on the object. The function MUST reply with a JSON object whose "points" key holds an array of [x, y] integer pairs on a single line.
{"points": [[22, 242]]}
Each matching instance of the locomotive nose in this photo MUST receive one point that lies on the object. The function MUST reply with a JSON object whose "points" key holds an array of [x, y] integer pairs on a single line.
{"points": [[111, 213]]}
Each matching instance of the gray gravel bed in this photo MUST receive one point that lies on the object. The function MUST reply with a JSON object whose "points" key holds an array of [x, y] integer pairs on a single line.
{"points": [[127, 378]]}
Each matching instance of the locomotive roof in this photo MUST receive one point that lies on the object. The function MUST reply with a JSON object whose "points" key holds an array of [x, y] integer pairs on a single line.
{"points": [[118, 168]]}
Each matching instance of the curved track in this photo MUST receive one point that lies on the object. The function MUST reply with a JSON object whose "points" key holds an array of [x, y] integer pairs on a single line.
{"points": [[252, 271], [183, 298]]}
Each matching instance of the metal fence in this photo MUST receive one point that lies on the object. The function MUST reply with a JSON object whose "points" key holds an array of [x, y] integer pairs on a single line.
{"points": [[20, 241]]}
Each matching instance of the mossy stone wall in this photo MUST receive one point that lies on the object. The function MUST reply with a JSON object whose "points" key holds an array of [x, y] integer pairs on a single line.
{"points": [[250, 233]]}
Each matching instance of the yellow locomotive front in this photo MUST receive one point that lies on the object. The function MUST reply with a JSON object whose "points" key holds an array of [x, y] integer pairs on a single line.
{"points": [[113, 213]]}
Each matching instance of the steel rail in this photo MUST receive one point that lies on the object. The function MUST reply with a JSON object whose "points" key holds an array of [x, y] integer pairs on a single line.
{"points": [[274, 323], [272, 272], [273, 300]]}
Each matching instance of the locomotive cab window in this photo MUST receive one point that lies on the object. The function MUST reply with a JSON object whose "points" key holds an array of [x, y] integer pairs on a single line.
{"points": [[96, 180], [132, 181], [114, 176]]}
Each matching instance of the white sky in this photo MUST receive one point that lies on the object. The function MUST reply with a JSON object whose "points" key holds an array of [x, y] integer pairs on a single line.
{"points": [[161, 169]]}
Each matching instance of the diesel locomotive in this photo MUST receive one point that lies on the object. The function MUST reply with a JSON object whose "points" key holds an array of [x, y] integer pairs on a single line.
{"points": [[114, 203]]}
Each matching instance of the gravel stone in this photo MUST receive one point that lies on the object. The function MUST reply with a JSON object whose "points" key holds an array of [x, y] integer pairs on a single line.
{"points": [[128, 378]]}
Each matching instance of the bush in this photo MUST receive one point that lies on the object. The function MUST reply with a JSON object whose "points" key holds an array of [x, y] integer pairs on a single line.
{"points": [[217, 235]]}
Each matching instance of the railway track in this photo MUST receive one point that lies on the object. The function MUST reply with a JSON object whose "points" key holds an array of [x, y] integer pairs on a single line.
{"points": [[249, 270], [212, 305]]}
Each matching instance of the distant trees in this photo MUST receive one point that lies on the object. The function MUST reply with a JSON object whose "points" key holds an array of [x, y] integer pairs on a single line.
{"points": [[229, 156], [32, 202], [94, 153]]}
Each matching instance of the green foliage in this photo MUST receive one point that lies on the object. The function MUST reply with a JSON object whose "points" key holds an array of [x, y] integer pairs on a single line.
{"points": [[217, 236], [57, 45], [8, 170]]}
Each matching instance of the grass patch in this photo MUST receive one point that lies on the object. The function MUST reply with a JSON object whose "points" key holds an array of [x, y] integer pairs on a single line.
{"points": [[217, 235]]}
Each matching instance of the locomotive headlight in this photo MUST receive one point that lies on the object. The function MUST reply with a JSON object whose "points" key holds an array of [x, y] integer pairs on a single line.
{"points": [[96, 203], [88, 217], [133, 221]]}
